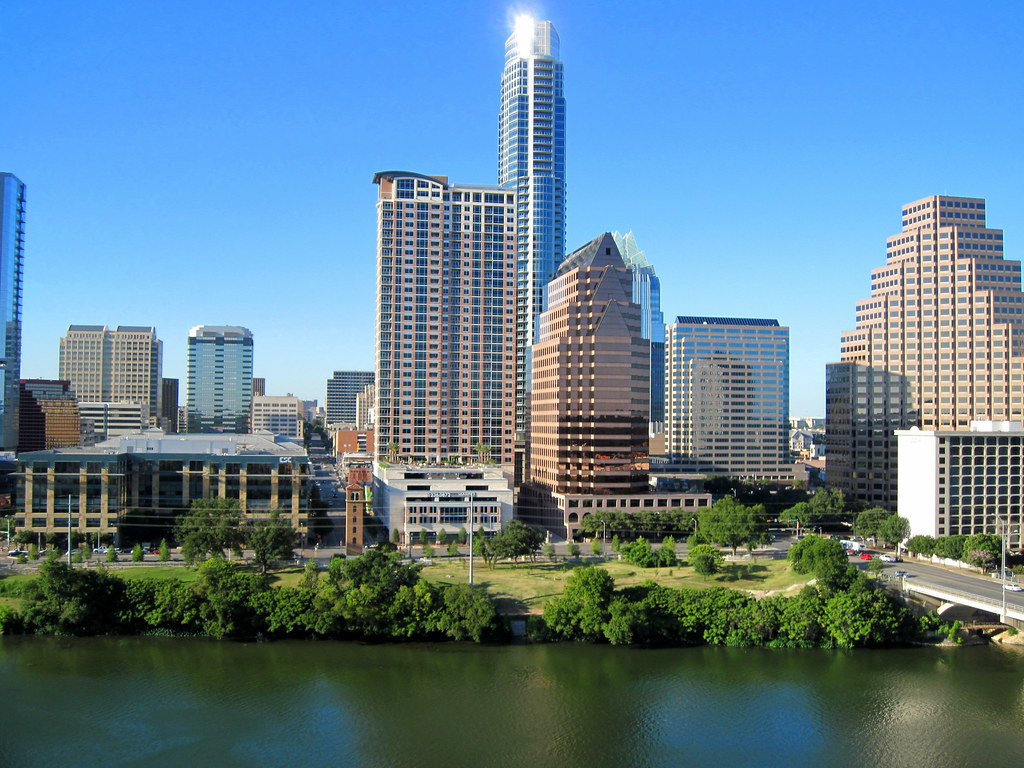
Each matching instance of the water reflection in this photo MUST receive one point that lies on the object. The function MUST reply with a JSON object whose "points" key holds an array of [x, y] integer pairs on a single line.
{"points": [[159, 702]]}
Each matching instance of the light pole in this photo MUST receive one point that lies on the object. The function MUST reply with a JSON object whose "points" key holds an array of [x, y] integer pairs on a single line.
{"points": [[471, 516], [69, 530], [1002, 565]]}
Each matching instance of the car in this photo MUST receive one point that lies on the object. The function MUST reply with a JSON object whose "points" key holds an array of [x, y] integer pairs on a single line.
{"points": [[865, 555], [887, 558], [17, 552], [100, 550], [900, 573], [1011, 587]]}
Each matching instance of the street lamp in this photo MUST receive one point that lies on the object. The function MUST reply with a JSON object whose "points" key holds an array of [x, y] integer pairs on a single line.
{"points": [[1003, 540]]}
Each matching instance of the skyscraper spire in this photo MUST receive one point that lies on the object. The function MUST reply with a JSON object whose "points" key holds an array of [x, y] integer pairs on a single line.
{"points": [[531, 161]]}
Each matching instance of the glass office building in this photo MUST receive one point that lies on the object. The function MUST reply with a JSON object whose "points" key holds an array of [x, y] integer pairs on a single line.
{"points": [[12, 257], [727, 399], [647, 293], [531, 162], [219, 392]]}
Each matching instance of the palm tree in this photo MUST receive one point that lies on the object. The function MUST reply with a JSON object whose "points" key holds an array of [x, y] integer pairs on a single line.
{"points": [[483, 451]]}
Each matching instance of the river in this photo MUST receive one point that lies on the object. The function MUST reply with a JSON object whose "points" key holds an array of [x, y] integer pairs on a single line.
{"points": [[191, 702]]}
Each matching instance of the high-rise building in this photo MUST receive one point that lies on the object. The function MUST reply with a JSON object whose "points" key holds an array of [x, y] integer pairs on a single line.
{"points": [[727, 400], [281, 415], [591, 388], [531, 162], [219, 390], [647, 293], [342, 389], [48, 415], [259, 386], [169, 404], [103, 421], [12, 262], [445, 346], [963, 482], [589, 438], [114, 366], [938, 344], [366, 407]]}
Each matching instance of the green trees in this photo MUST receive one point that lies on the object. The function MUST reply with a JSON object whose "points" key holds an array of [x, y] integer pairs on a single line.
{"points": [[639, 553], [824, 558], [894, 529], [981, 549], [210, 527], [453, 548], [271, 540], [731, 524], [596, 547], [63, 601], [516, 540], [921, 545], [137, 553], [869, 522], [592, 609], [582, 610], [706, 559], [165, 551]]}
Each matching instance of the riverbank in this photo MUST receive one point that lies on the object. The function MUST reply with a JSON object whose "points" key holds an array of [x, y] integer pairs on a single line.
{"points": [[377, 597]]}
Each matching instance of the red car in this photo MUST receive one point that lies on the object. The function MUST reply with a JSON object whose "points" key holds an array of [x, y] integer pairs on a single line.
{"points": [[865, 555]]}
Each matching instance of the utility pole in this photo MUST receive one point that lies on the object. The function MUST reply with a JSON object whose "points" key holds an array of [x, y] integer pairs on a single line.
{"points": [[69, 530], [471, 516]]}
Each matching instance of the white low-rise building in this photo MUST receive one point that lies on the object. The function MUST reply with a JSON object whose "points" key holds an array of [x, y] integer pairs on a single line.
{"points": [[963, 481], [413, 498]]}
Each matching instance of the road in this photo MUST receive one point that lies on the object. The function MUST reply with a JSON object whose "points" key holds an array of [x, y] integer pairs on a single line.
{"points": [[984, 587]]}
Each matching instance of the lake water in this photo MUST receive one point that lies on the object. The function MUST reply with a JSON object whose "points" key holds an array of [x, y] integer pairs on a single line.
{"points": [[182, 702]]}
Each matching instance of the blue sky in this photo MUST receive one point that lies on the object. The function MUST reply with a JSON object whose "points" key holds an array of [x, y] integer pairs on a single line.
{"points": [[207, 162]]}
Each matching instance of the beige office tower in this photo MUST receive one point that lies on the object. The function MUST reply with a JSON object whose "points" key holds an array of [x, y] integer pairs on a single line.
{"points": [[938, 344], [446, 304], [590, 402], [113, 366]]}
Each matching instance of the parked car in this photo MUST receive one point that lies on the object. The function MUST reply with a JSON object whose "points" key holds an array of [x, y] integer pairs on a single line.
{"points": [[17, 552], [1011, 587], [865, 555]]}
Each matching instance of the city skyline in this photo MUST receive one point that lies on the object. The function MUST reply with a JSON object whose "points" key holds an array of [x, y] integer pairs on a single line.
{"points": [[799, 136]]}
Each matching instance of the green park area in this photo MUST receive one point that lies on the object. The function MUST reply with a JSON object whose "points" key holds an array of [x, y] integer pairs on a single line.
{"points": [[524, 587], [521, 587]]}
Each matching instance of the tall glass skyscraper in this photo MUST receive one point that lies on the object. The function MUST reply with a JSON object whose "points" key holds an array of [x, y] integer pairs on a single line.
{"points": [[219, 392], [647, 293], [12, 257], [531, 162]]}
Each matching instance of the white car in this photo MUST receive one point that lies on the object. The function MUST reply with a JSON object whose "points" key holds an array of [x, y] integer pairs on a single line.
{"points": [[887, 558], [1011, 587]]}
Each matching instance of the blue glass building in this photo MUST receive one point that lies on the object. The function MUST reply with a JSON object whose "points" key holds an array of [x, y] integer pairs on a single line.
{"points": [[12, 258], [531, 161], [219, 390], [647, 293]]}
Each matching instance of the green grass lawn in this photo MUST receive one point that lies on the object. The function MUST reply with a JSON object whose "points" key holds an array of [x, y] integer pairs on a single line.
{"points": [[528, 586]]}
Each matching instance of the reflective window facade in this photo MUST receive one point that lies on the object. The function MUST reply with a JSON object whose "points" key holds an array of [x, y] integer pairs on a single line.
{"points": [[219, 393], [531, 161], [727, 397], [12, 258]]}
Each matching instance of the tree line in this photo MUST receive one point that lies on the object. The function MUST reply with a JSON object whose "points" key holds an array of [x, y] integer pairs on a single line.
{"points": [[372, 597], [844, 609]]}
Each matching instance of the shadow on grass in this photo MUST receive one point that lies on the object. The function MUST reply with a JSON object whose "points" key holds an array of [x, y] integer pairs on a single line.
{"points": [[744, 572]]}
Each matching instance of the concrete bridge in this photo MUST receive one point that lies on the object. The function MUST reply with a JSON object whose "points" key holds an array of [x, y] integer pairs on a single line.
{"points": [[952, 601]]}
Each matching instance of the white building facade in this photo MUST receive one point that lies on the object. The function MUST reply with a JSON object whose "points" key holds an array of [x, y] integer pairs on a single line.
{"points": [[431, 498], [963, 481]]}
